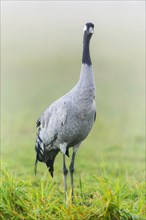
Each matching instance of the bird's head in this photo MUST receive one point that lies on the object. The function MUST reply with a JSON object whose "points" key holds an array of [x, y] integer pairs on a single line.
{"points": [[88, 28]]}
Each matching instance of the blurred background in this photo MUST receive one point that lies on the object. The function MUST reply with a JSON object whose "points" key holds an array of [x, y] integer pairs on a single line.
{"points": [[41, 48]]}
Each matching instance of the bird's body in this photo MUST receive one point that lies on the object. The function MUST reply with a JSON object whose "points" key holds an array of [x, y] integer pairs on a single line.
{"points": [[68, 121]]}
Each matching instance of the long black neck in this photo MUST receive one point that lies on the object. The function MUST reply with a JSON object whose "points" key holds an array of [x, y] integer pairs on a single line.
{"points": [[86, 52]]}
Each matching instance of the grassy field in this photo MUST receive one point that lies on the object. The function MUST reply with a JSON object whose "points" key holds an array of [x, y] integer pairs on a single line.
{"points": [[37, 68]]}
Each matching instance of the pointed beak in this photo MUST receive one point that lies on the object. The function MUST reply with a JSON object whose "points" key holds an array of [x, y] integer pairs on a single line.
{"points": [[91, 30]]}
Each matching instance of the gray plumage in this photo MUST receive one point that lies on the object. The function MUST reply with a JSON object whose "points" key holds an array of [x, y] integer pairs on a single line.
{"points": [[68, 121]]}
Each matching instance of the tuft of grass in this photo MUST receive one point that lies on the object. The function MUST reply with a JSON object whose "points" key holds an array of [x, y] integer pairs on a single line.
{"points": [[40, 199]]}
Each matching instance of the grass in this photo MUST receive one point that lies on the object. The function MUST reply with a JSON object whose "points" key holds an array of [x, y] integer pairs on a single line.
{"points": [[109, 167], [41, 199], [109, 177]]}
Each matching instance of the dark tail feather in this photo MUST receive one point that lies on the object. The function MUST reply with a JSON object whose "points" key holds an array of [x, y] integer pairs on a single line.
{"points": [[67, 152], [50, 162]]}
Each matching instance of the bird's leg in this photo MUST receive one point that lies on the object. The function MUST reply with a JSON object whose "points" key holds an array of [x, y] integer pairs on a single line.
{"points": [[65, 171], [71, 168]]}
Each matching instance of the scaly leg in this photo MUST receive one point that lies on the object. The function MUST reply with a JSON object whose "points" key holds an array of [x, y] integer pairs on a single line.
{"points": [[65, 171], [71, 168]]}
